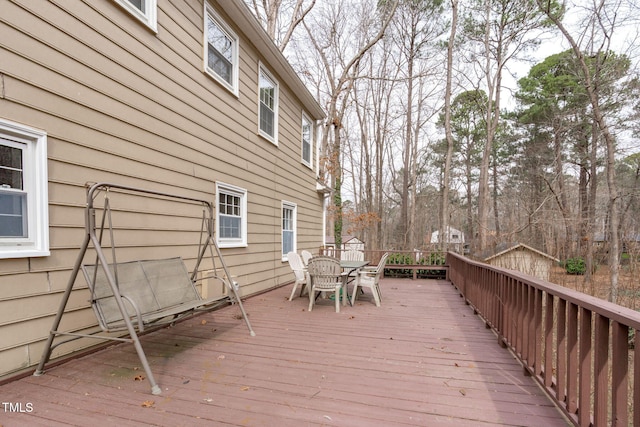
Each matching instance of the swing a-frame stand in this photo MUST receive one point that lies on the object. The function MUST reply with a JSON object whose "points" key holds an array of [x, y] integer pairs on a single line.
{"points": [[130, 297]]}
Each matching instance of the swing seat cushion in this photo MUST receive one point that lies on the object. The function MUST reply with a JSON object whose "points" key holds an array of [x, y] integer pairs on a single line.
{"points": [[152, 292]]}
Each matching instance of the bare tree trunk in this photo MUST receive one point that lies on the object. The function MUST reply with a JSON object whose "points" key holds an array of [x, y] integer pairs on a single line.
{"points": [[444, 219], [591, 86]]}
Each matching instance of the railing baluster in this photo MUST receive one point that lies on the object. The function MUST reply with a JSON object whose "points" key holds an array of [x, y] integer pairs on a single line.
{"points": [[537, 362], [619, 374], [561, 357], [586, 354], [548, 342], [572, 359], [601, 366]]}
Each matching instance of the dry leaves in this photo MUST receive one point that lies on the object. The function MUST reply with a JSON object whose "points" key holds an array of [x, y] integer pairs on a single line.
{"points": [[138, 378], [148, 404]]}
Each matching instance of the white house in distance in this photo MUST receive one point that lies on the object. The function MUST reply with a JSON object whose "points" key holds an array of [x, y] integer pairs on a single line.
{"points": [[453, 237]]}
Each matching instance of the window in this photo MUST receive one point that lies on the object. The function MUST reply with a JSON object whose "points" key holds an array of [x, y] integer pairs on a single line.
{"points": [[307, 140], [143, 10], [268, 114], [221, 51], [24, 210], [232, 216], [288, 228]]}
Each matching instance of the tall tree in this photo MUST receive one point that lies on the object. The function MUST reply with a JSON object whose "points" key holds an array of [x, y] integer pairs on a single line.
{"points": [[601, 24], [501, 30], [444, 218], [334, 45], [416, 27]]}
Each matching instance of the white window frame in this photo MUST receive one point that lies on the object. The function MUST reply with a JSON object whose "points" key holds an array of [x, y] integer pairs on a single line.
{"points": [[264, 73], [33, 142], [294, 227], [148, 18], [232, 242], [211, 14], [306, 121]]}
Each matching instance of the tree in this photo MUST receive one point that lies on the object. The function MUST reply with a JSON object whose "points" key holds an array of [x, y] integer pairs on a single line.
{"points": [[331, 40], [468, 132], [500, 30], [280, 18], [601, 24], [444, 218], [416, 26]]}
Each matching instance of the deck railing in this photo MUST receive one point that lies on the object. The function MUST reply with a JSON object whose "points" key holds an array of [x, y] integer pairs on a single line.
{"points": [[415, 264], [578, 347]]}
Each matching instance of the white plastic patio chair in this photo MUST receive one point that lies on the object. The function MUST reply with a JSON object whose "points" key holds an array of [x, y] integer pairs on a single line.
{"points": [[299, 271], [370, 278], [306, 256], [352, 255], [325, 275]]}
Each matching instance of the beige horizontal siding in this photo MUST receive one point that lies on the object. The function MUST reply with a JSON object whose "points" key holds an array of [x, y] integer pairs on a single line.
{"points": [[122, 104]]}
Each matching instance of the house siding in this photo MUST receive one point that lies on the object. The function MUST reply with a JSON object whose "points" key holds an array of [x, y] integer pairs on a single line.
{"points": [[122, 104]]}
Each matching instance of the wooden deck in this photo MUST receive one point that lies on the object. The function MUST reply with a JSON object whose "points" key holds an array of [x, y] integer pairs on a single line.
{"points": [[422, 359]]}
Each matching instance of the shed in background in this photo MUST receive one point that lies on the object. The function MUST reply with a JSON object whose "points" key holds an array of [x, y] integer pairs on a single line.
{"points": [[523, 258]]}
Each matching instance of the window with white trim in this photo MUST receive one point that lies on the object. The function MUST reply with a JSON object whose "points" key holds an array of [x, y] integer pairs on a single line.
{"points": [[268, 113], [221, 51], [231, 209], [144, 10], [288, 228], [307, 140], [24, 205]]}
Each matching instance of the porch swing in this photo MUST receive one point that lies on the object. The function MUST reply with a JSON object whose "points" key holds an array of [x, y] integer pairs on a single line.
{"points": [[132, 296]]}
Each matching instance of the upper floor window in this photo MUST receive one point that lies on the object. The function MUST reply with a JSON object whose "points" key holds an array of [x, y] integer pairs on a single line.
{"points": [[24, 210], [144, 10], [268, 113], [307, 140], [231, 208], [221, 51]]}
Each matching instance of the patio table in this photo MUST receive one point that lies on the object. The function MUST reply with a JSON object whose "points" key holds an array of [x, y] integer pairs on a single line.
{"points": [[351, 268]]}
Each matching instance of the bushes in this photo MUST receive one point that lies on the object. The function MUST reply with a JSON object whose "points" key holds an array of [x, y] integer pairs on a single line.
{"points": [[401, 259], [575, 266]]}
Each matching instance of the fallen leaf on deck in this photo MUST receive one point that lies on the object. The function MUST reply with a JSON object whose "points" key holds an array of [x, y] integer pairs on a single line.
{"points": [[203, 322], [221, 357], [463, 392], [138, 378], [245, 388], [148, 404]]}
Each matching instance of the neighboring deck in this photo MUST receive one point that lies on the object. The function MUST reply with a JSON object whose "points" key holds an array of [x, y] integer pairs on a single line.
{"points": [[422, 359]]}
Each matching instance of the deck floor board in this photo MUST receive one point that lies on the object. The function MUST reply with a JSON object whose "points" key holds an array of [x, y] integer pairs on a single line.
{"points": [[421, 359]]}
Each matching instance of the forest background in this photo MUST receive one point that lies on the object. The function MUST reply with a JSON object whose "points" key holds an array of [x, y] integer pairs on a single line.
{"points": [[510, 120]]}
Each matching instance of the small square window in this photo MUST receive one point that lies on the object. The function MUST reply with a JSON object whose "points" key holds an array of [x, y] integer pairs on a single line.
{"points": [[231, 208]]}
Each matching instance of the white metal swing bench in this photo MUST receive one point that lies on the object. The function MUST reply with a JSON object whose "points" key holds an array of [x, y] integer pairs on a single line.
{"points": [[135, 295]]}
